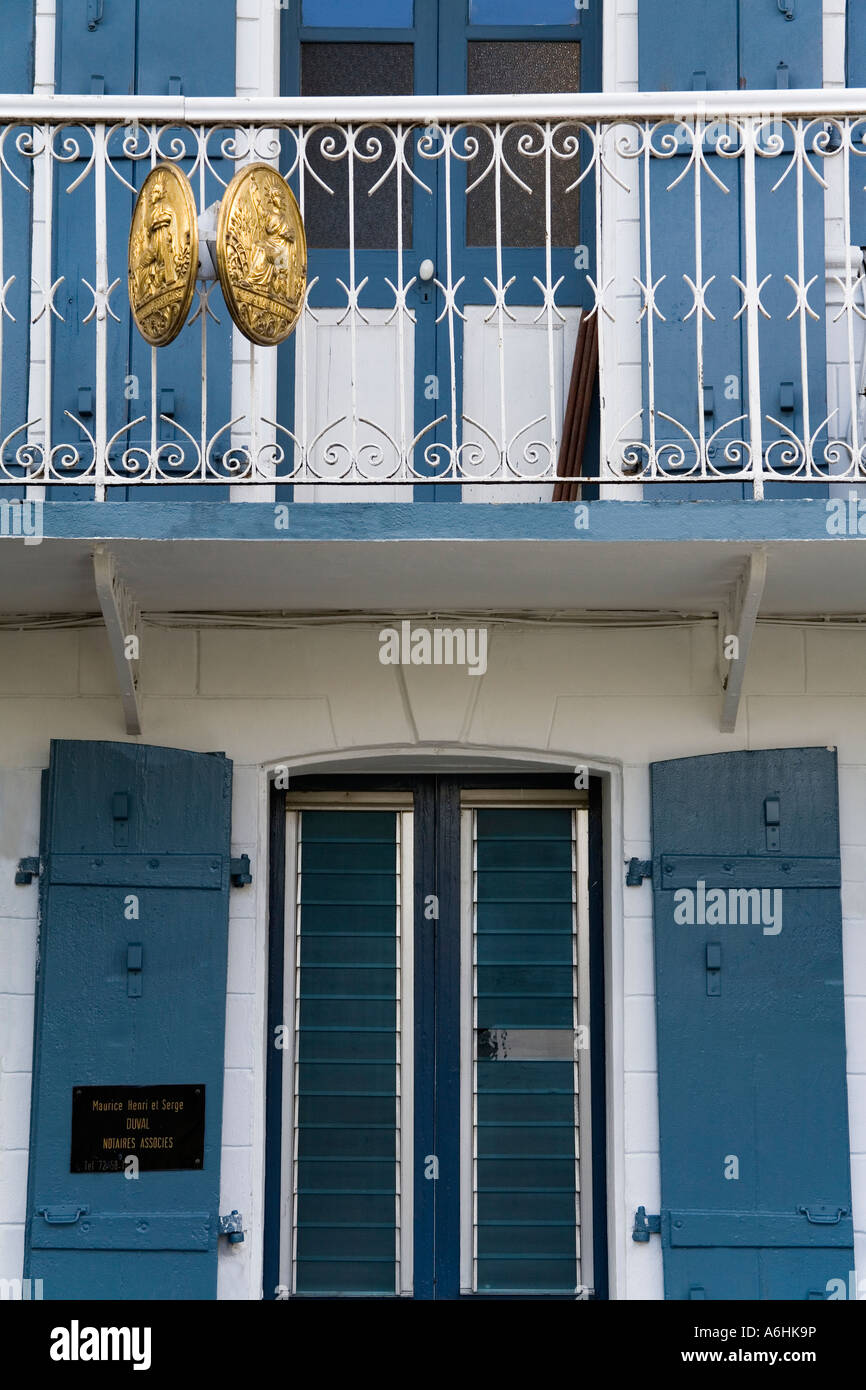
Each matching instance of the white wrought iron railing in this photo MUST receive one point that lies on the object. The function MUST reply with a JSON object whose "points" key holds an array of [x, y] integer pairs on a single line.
{"points": [[713, 236]]}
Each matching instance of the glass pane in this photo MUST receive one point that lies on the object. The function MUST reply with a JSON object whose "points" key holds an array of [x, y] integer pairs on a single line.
{"points": [[356, 69], [349, 14], [515, 67], [525, 11]]}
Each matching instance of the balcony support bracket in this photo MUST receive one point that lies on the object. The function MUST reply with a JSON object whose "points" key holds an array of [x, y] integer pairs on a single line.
{"points": [[123, 625], [737, 619]]}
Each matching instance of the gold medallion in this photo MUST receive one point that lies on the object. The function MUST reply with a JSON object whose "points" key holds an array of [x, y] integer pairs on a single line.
{"points": [[262, 254], [163, 254]]}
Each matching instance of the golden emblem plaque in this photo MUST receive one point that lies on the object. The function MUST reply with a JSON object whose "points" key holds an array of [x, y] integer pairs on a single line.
{"points": [[163, 254], [262, 254]]}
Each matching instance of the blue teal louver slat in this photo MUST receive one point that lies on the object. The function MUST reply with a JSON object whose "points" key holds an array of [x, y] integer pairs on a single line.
{"points": [[347, 1077], [526, 1192]]}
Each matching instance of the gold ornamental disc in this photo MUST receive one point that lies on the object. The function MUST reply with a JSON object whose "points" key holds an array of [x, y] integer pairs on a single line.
{"points": [[163, 254], [262, 254]]}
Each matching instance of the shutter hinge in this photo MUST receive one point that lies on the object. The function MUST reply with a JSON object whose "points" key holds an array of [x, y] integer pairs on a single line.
{"points": [[28, 869], [645, 1226], [638, 870], [240, 871], [233, 1227]]}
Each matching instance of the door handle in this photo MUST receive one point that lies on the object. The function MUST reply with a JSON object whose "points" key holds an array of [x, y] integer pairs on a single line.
{"points": [[786, 8], [823, 1216], [62, 1216]]}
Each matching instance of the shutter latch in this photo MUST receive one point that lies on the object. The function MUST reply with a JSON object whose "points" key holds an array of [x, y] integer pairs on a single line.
{"points": [[233, 1227], [28, 869], [645, 1226], [240, 871], [638, 870]]}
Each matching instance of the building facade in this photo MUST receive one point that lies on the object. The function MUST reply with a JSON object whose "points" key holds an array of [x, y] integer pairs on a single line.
{"points": [[421, 876]]}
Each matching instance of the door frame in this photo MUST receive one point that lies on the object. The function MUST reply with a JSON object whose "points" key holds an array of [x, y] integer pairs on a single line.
{"points": [[436, 1221]]}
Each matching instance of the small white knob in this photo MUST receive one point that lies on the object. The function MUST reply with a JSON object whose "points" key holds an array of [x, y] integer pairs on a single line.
{"points": [[426, 270]]}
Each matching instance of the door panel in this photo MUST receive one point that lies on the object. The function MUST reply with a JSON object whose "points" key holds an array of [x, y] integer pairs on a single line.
{"points": [[756, 1196], [525, 1168], [441, 49], [349, 1204], [437, 1076], [130, 994]]}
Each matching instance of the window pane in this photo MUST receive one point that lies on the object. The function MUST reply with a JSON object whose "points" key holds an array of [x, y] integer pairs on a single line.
{"points": [[356, 69], [524, 11], [349, 14], [530, 67]]}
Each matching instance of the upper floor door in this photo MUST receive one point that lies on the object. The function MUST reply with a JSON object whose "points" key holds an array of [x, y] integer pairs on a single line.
{"points": [[448, 263]]}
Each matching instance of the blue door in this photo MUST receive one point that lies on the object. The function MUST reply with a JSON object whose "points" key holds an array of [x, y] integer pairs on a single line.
{"points": [[444, 46], [123, 1186], [755, 1183], [702, 45], [440, 1138], [116, 49]]}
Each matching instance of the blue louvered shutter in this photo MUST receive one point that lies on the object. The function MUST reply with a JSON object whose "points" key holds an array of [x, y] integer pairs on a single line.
{"points": [[127, 1000], [710, 45], [16, 75], [152, 48], [526, 1217], [755, 1180], [348, 1063]]}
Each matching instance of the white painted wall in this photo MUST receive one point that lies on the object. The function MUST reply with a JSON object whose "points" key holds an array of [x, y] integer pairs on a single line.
{"points": [[617, 700]]}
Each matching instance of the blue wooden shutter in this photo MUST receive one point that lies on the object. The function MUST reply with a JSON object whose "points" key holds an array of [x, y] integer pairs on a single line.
{"points": [[348, 1062], [148, 49], [125, 1001], [526, 1188], [722, 46], [687, 45], [16, 75], [751, 1027]]}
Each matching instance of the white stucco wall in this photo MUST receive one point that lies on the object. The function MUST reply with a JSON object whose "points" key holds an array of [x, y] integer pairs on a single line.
{"points": [[617, 700]]}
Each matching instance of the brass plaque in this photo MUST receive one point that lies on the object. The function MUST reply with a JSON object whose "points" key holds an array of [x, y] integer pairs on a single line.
{"points": [[163, 254], [262, 254], [162, 1127]]}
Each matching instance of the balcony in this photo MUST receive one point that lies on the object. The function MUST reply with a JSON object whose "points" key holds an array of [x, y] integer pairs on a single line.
{"points": [[716, 249]]}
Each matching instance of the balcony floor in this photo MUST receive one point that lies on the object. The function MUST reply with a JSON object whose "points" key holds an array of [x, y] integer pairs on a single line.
{"points": [[388, 558]]}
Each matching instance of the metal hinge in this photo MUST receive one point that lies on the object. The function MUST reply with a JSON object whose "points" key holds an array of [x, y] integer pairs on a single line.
{"points": [[240, 871], [638, 870], [28, 869], [233, 1227], [645, 1226]]}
